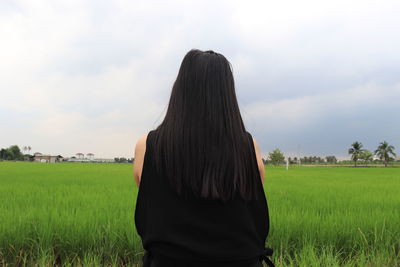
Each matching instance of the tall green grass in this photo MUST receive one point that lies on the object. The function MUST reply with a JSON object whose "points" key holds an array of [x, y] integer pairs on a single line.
{"points": [[75, 214], [74, 211], [339, 216]]}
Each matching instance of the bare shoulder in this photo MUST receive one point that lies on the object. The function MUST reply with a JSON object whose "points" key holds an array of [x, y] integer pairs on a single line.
{"points": [[140, 147], [256, 146], [260, 162], [140, 150], [141, 142]]}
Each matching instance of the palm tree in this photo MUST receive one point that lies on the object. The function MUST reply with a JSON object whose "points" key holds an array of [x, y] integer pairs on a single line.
{"points": [[29, 149], [355, 151], [367, 156], [383, 152]]}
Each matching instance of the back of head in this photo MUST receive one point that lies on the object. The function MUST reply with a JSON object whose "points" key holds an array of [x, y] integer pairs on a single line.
{"points": [[202, 145]]}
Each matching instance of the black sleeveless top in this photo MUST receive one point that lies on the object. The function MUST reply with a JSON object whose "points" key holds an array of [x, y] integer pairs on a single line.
{"points": [[206, 232]]}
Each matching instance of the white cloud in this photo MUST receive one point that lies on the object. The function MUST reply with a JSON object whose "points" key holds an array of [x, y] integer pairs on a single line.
{"points": [[94, 76], [296, 113], [298, 121]]}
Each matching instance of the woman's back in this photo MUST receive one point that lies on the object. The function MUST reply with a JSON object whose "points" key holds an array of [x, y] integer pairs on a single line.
{"points": [[201, 197], [186, 231]]}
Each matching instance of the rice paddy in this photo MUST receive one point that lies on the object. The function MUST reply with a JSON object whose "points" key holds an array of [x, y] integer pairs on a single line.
{"points": [[77, 214]]}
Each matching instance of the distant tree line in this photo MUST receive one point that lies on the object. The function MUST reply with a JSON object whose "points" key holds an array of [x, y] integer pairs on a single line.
{"points": [[123, 160], [276, 157], [384, 152], [11, 153], [313, 159], [14, 153]]}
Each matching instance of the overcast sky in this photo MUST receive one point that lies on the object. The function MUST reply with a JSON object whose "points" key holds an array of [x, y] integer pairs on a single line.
{"points": [[93, 76]]}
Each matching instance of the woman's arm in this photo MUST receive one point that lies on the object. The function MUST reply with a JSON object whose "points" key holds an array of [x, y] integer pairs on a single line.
{"points": [[140, 149], [259, 160]]}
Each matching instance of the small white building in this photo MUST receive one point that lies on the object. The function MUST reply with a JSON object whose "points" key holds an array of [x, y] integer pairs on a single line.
{"points": [[47, 158]]}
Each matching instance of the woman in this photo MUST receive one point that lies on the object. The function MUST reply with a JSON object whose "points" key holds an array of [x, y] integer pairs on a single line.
{"points": [[201, 200]]}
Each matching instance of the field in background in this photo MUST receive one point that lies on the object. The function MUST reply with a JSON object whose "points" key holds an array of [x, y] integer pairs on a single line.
{"points": [[82, 214], [323, 216]]}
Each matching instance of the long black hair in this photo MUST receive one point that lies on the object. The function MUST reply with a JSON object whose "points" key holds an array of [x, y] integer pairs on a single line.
{"points": [[202, 145]]}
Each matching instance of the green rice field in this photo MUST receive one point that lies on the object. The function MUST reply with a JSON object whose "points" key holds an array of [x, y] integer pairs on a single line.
{"points": [[82, 214]]}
